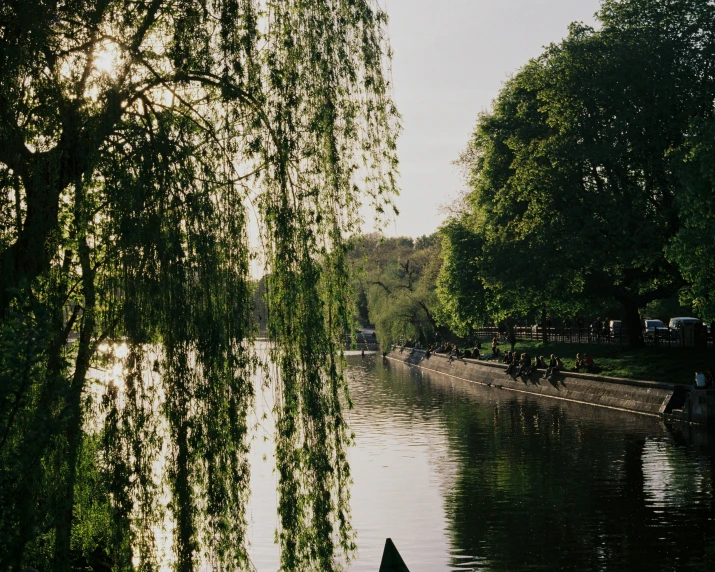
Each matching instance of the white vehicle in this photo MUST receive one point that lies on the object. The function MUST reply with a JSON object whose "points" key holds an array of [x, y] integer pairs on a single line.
{"points": [[677, 323]]}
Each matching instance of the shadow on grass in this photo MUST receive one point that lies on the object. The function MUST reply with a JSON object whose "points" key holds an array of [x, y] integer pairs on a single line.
{"points": [[664, 364]]}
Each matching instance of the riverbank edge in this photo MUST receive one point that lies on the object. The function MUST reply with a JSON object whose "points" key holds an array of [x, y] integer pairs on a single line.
{"points": [[656, 399]]}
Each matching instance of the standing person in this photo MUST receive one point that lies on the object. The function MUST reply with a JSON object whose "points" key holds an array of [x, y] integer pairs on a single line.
{"points": [[597, 328], [700, 379], [579, 325], [512, 337], [495, 346]]}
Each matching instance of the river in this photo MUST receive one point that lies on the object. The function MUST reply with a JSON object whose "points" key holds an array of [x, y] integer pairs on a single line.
{"points": [[464, 477]]}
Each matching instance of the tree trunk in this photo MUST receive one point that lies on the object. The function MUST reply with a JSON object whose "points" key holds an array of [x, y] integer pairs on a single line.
{"points": [[74, 417], [30, 255], [544, 330], [631, 327]]}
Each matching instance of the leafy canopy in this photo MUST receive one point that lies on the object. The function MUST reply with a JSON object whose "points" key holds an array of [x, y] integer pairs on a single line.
{"points": [[141, 143], [574, 192]]}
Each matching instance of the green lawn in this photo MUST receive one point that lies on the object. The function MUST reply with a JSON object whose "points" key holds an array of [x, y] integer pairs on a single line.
{"points": [[670, 365]]}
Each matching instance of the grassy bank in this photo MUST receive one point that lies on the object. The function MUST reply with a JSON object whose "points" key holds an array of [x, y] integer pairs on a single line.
{"points": [[669, 365]]}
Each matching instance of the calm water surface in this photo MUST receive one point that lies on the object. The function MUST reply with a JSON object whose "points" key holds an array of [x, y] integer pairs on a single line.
{"points": [[469, 478]]}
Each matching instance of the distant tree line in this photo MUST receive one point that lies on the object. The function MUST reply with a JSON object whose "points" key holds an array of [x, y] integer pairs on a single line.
{"points": [[395, 285]]}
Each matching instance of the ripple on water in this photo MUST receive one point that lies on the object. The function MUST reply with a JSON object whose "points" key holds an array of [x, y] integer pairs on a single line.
{"points": [[463, 477]]}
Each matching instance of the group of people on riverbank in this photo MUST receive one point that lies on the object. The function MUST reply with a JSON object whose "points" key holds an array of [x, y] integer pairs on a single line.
{"points": [[454, 352], [470, 353], [585, 363], [522, 365]]}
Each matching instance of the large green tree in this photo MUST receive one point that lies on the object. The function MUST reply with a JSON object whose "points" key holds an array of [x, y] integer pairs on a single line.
{"points": [[693, 248], [574, 192], [139, 143]]}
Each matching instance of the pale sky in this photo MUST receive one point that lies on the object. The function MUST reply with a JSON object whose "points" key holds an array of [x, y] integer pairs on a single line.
{"points": [[451, 58]]}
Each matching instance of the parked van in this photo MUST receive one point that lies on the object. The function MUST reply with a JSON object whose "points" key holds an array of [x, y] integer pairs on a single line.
{"points": [[676, 326], [677, 323]]}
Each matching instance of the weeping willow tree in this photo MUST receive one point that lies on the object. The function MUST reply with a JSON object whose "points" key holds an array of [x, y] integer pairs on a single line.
{"points": [[140, 142]]}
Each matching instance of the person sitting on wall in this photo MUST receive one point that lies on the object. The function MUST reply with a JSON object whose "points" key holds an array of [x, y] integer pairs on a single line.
{"points": [[533, 366], [579, 362], [511, 365], [467, 354], [525, 365], [475, 352], [455, 353], [552, 366], [540, 363]]}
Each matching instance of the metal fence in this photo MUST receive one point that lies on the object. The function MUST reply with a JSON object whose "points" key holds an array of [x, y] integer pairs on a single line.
{"points": [[671, 339]]}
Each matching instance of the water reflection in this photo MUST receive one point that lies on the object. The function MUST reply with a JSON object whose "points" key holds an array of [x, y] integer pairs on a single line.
{"points": [[470, 478]]}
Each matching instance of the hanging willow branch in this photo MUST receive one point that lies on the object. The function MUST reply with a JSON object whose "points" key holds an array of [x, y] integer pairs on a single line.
{"points": [[135, 140]]}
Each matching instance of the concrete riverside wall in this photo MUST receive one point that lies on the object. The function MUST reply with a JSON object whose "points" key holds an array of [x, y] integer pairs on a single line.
{"points": [[698, 407], [646, 397]]}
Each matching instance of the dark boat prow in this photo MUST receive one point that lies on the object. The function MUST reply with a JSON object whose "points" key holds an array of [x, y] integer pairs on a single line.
{"points": [[391, 559]]}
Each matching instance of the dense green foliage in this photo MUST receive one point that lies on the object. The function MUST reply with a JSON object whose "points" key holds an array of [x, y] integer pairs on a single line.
{"points": [[138, 140], [464, 303], [693, 248], [395, 286], [590, 177]]}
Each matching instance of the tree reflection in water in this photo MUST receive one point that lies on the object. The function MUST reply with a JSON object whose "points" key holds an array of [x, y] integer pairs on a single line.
{"points": [[549, 485]]}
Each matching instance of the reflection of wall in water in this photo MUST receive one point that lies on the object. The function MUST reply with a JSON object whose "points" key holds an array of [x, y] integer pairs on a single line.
{"points": [[549, 484]]}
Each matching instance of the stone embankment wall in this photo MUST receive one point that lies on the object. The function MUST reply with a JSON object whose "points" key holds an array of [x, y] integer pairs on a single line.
{"points": [[645, 397]]}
